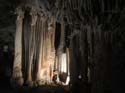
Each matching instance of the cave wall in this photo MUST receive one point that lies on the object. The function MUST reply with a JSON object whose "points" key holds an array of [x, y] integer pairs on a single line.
{"points": [[91, 49]]}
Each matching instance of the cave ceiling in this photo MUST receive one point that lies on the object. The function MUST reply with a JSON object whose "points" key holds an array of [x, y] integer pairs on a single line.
{"points": [[74, 11], [108, 14]]}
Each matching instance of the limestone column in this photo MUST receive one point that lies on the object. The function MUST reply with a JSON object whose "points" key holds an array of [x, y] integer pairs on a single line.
{"points": [[61, 45], [52, 48], [17, 67], [33, 14]]}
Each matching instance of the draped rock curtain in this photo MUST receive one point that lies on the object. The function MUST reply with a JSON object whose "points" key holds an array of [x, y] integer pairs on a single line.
{"points": [[34, 47], [35, 53]]}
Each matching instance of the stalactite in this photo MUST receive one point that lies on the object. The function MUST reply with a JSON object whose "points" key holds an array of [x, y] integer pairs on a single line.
{"points": [[72, 4], [103, 7], [85, 5], [75, 4], [69, 2]]}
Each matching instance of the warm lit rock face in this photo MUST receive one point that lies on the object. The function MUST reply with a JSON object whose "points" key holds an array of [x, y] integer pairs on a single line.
{"points": [[47, 51], [34, 47], [35, 53]]}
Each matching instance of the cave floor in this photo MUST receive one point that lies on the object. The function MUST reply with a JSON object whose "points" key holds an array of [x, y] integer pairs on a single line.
{"points": [[5, 87]]}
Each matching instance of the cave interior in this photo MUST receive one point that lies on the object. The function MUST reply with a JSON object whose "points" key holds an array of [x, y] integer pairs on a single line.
{"points": [[62, 46]]}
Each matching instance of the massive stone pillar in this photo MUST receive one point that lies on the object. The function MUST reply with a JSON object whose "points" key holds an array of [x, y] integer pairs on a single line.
{"points": [[51, 40], [31, 31], [17, 67], [47, 50], [38, 76]]}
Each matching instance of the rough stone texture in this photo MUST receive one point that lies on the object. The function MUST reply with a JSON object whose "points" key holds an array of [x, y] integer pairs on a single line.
{"points": [[17, 67]]}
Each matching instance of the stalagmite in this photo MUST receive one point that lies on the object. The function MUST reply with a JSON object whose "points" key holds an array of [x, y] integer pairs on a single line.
{"points": [[68, 66]]}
